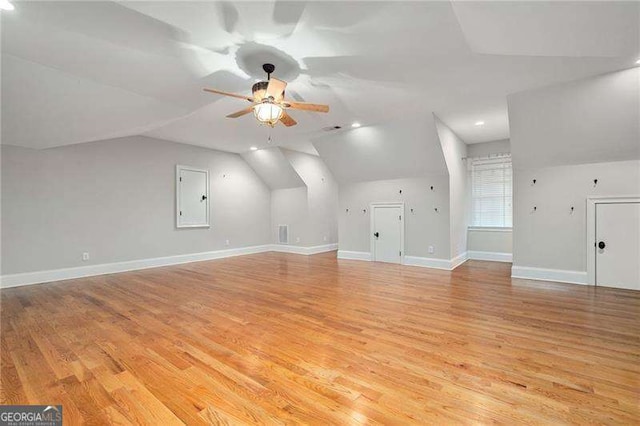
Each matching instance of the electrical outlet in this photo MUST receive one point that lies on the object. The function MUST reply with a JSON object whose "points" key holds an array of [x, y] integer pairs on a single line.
{"points": [[431, 249], [85, 256], [226, 242], [297, 239]]}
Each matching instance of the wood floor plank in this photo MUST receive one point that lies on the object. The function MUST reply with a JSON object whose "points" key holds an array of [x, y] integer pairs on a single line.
{"points": [[276, 338]]}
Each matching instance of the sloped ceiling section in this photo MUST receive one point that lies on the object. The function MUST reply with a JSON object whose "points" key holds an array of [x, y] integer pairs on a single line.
{"points": [[586, 121], [550, 28], [274, 168], [43, 107], [407, 148], [311, 168]]}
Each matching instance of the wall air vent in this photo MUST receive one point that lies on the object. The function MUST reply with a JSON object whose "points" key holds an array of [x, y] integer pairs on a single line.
{"points": [[283, 234]]}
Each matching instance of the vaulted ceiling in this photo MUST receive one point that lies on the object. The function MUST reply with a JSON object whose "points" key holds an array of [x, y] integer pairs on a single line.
{"points": [[75, 72]]}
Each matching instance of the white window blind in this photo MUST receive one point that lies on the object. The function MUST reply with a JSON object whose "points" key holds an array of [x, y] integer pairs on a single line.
{"points": [[491, 191]]}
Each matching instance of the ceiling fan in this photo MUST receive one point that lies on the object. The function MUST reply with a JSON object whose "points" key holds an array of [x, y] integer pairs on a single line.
{"points": [[268, 103]]}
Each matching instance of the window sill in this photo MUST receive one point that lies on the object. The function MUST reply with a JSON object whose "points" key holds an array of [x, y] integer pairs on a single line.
{"points": [[489, 229]]}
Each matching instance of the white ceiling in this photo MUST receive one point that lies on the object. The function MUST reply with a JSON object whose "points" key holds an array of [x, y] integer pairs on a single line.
{"points": [[80, 71]]}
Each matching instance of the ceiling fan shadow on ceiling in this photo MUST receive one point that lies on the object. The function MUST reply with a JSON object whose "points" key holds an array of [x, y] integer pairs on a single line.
{"points": [[268, 103]]}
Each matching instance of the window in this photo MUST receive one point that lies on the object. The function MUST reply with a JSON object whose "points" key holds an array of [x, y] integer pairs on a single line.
{"points": [[491, 191]]}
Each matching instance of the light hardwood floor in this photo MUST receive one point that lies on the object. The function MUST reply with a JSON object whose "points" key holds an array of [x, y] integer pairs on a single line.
{"points": [[279, 338]]}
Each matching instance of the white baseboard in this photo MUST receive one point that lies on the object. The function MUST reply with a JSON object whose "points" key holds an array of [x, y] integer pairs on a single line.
{"points": [[459, 260], [541, 274], [38, 277], [490, 256], [284, 248], [354, 255], [27, 278], [427, 262], [322, 249]]}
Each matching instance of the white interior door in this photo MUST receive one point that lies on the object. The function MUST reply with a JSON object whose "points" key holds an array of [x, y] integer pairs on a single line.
{"points": [[387, 234], [193, 197], [618, 245]]}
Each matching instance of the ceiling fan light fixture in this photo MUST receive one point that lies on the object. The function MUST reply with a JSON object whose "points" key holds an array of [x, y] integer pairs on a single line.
{"points": [[355, 125], [480, 123], [268, 113]]}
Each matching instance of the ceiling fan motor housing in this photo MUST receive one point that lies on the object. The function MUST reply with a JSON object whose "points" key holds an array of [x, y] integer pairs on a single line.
{"points": [[261, 85], [259, 90]]}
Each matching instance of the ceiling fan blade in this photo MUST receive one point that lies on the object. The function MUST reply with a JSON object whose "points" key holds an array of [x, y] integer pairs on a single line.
{"points": [[307, 107], [241, 112], [276, 88], [248, 98], [287, 120]]}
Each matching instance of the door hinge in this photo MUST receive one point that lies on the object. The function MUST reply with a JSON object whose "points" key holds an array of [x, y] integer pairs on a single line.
{"points": [[180, 179], [400, 217], [180, 212], [400, 253]]}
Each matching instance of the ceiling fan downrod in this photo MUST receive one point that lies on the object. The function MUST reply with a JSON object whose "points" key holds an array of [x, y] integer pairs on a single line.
{"points": [[268, 68]]}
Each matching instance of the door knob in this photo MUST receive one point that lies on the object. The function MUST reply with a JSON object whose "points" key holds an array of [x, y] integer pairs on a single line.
{"points": [[376, 234], [601, 245], [204, 197]]}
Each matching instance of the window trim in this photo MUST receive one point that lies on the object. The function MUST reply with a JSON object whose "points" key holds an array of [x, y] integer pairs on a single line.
{"points": [[491, 228]]}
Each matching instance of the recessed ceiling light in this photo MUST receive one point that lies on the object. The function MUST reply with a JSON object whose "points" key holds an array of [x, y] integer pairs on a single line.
{"points": [[5, 5], [480, 123], [254, 148], [638, 62], [355, 125]]}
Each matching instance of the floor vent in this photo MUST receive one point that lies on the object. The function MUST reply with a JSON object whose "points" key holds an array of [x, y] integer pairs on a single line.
{"points": [[283, 234]]}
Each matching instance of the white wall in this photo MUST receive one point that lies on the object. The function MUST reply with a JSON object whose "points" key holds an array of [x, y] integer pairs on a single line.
{"points": [[372, 163], [565, 136], [423, 227], [551, 237], [321, 223], [455, 152], [116, 200], [487, 240], [290, 206]]}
